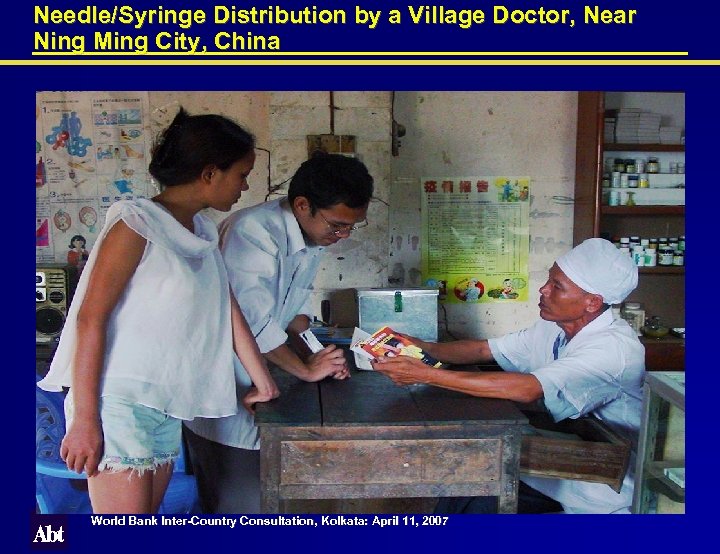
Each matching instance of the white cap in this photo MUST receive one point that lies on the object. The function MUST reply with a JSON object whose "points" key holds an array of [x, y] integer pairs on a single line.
{"points": [[598, 267]]}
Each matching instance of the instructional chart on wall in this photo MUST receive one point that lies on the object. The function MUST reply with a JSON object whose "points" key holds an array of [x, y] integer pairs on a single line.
{"points": [[476, 238], [91, 149]]}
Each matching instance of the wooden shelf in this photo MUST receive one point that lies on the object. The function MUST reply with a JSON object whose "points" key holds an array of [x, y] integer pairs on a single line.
{"points": [[623, 147], [663, 270], [664, 354], [643, 210]]}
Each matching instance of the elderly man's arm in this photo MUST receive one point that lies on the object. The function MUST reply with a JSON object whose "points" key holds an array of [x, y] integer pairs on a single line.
{"points": [[466, 351], [520, 387]]}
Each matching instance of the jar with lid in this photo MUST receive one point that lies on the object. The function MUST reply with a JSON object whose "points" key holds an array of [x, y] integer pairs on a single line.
{"points": [[653, 243], [633, 181], [614, 198], [619, 165], [640, 165], [643, 181], [673, 243], [630, 166], [634, 314], [681, 243], [653, 165], [678, 258], [634, 241], [625, 245], [665, 255]]}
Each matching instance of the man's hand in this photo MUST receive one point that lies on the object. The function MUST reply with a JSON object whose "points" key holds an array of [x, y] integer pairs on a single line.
{"points": [[329, 361], [403, 370]]}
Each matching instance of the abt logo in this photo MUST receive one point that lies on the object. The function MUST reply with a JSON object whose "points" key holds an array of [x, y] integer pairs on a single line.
{"points": [[48, 534]]}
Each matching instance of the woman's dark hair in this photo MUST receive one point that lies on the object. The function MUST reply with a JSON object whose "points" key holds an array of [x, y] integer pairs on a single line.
{"points": [[77, 237], [330, 179], [193, 142]]}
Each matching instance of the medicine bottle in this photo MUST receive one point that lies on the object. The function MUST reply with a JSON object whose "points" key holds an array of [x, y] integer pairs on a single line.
{"points": [[643, 181], [638, 255], [681, 243], [634, 314], [678, 258], [650, 257], [633, 181], [625, 245], [665, 255], [630, 166], [653, 165]]}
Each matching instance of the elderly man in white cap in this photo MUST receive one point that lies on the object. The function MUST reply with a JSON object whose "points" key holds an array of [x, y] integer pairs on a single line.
{"points": [[577, 359]]}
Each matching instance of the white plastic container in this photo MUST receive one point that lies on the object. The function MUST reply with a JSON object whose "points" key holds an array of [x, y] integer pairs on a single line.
{"points": [[410, 311], [634, 314]]}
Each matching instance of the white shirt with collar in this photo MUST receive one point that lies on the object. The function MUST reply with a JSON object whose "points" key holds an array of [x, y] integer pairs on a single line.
{"points": [[600, 371], [271, 270]]}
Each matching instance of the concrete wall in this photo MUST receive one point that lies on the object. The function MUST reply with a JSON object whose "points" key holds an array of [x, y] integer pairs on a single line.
{"points": [[281, 121], [486, 133], [448, 133]]}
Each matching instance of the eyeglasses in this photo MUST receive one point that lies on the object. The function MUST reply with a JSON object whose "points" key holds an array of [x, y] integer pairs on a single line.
{"points": [[338, 230]]}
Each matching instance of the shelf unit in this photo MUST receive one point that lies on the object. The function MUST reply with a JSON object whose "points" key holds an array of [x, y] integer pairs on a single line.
{"points": [[661, 289], [661, 445]]}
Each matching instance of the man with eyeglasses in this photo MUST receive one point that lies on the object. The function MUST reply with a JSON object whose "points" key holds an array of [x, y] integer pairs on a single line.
{"points": [[272, 252]]}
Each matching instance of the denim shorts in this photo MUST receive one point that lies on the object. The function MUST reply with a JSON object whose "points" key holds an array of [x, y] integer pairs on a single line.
{"points": [[135, 437]]}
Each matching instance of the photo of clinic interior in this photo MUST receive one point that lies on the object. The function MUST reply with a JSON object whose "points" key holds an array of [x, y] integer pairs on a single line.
{"points": [[360, 302]]}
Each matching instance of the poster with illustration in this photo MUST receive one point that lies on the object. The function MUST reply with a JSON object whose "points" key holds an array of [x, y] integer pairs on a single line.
{"points": [[91, 150], [476, 238]]}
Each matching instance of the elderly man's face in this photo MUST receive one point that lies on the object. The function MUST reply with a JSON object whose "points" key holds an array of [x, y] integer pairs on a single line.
{"points": [[561, 300]]}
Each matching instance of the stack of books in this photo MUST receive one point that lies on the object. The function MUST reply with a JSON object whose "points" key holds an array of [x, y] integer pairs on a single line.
{"points": [[649, 128], [626, 125], [609, 128], [670, 135], [635, 126]]}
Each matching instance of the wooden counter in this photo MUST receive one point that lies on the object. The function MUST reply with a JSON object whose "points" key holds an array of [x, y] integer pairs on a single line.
{"points": [[367, 438]]}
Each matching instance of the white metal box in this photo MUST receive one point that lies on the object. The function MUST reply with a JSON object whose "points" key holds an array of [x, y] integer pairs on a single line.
{"points": [[413, 311]]}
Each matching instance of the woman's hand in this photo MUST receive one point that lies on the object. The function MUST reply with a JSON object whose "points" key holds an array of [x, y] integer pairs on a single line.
{"points": [[82, 446], [255, 395]]}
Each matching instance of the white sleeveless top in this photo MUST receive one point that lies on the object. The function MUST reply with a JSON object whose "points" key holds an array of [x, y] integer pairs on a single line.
{"points": [[169, 338]]}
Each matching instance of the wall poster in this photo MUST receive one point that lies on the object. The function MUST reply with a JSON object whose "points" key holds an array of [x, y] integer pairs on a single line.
{"points": [[476, 238], [91, 149]]}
